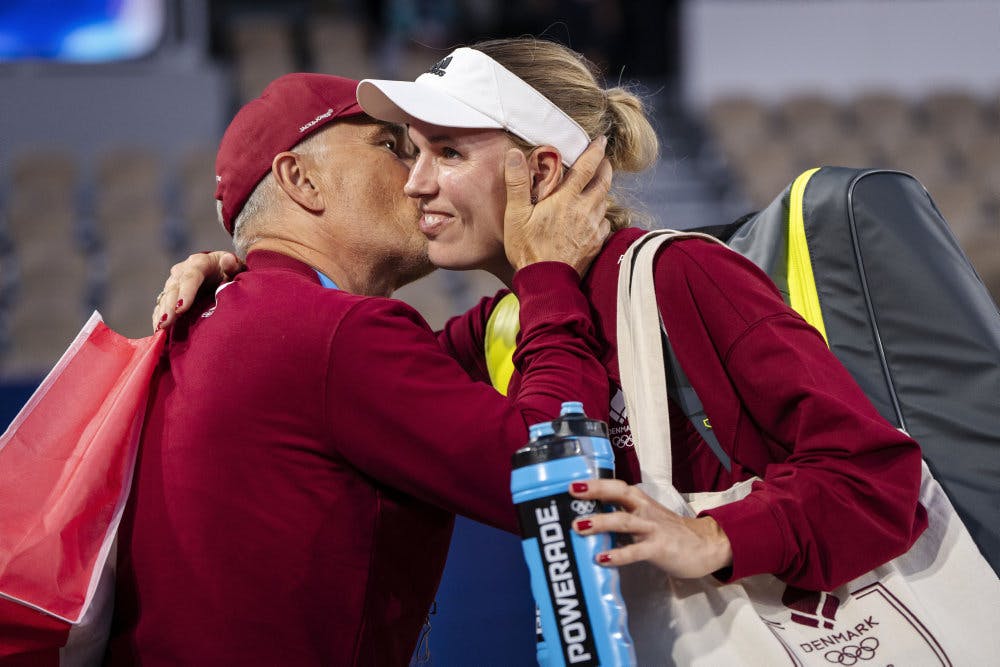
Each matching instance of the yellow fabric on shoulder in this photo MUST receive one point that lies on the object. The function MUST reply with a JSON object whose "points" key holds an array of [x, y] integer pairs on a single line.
{"points": [[501, 340]]}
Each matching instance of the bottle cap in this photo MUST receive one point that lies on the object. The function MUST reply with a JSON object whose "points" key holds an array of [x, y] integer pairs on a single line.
{"points": [[540, 430], [577, 424], [548, 447], [572, 408]]}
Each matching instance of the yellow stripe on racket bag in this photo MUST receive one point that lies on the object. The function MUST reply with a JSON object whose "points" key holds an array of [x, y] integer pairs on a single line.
{"points": [[801, 282]]}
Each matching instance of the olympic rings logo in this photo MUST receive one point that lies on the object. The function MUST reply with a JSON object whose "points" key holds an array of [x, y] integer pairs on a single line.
{"points": [[851, 654], [581, 507]]}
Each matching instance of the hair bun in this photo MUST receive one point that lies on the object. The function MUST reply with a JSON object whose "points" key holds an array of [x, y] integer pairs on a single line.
{"points": [[632, 142]]}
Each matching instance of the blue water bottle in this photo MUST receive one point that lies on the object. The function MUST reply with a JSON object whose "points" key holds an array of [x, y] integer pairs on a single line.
{"points": [[593, 437], [582, 615]]}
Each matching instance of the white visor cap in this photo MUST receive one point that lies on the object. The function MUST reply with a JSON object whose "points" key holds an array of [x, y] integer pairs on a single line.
{"points": [[471, 90]]}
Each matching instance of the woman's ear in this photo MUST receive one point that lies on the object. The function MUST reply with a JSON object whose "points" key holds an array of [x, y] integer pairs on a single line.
{"points": [[294, 176], [545, 167]]}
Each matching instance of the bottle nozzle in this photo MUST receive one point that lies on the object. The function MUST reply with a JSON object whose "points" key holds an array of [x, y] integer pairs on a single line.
{"points": [[571, 408], [536, 431]]}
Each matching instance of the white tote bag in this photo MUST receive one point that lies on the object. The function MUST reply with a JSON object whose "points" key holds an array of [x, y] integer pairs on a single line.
{"points": [[937, 604]]}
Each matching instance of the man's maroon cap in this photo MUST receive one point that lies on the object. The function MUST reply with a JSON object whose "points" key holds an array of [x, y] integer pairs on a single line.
{"points": [[291, 108]]}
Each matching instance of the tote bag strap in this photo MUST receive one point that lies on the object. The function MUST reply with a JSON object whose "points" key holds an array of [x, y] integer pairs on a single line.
{"points": [[641, 365]]}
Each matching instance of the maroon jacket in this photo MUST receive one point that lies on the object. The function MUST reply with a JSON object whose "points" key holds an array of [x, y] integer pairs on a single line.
{"points": [[840, 484], [301, 459]]}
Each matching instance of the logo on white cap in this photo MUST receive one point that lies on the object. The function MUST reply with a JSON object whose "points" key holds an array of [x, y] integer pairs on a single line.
{"points": [[440, 66], [468, 89]]}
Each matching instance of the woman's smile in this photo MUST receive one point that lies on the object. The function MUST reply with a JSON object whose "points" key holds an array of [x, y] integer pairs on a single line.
{"points": [[432, 222]]}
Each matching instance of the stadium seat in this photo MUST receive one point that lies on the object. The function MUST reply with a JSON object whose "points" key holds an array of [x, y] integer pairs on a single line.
{"points": [[43, 196], [196, 206], [958, 118], [338, 46], [262, 51], [48, 306], [46, 274], [882, 120], [739, 125], [982, 166], [846, 150], [766, 171], [812, 123], [135, 270], [129, 195], [962, 205], [925, 156]]}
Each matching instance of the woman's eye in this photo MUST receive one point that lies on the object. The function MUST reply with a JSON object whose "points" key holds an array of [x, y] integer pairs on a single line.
{"points": [[390, 144], [449, 153]]}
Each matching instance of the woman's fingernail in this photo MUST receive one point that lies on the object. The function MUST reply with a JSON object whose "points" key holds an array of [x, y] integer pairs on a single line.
{"points": [[180, 302], [163, 317], [579, 487], [604, 558], [584, 524]]}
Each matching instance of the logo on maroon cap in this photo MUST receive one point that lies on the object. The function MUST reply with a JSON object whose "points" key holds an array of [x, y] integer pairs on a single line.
{"points": [[325, 114]]}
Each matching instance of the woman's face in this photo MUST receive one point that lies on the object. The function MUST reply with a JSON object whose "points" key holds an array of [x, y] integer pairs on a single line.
{"points": [[458, 180]]}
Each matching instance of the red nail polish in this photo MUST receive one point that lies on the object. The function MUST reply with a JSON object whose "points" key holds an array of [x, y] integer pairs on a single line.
{"points": [[180, 302], [604, 558], [584, 524], [579, 487], [163, 318]]}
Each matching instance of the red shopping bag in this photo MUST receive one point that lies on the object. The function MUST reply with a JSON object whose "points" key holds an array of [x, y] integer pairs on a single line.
{"points": [[66, 464]]}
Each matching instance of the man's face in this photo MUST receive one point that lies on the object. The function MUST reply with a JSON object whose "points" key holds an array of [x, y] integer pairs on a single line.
{"points": [[364, 165]]}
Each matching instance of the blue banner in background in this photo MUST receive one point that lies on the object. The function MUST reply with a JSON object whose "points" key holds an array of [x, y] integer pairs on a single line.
{"points": [[485, 614], [80, 30], [13, 395]]}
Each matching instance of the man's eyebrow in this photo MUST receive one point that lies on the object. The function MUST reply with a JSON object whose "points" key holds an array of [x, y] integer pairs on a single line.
{"points": [[395, 129], [439, 138], [383, 125]]}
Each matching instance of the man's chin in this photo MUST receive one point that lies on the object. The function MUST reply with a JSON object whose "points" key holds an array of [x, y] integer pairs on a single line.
{"points": [[419, 267]]}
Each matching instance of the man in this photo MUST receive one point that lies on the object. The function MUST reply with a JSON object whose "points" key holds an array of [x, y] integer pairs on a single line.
{"points": [[308, 441]]}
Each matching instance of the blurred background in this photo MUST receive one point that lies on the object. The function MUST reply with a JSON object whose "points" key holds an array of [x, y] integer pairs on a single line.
{"points": [[111, 111]]}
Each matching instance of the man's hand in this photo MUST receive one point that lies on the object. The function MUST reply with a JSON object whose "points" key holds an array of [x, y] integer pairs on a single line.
{"points": [[566, 226], [680, 546], [206, 270]]}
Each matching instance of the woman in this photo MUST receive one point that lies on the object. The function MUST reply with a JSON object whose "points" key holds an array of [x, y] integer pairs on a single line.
{"points": [[839, 485]]}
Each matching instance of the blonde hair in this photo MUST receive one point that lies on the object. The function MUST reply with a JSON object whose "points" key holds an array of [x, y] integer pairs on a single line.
{"points": [[570, 81]]}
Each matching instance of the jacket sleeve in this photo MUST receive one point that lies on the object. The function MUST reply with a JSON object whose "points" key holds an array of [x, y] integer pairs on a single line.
{"points": [[463, 337], [840, 496], [407, 414]]}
